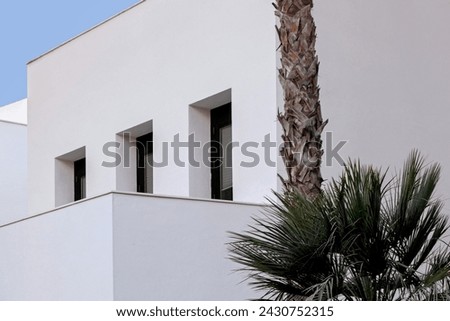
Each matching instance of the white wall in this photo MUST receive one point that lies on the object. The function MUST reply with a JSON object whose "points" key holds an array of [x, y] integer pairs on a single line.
{"points": [[164, 253], [385, 75], [15, 112], [62, 255], [151, 63], [384, 78], [13, 172], [126, 247]]}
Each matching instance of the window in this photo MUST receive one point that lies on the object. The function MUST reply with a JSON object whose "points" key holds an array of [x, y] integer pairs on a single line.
{"points": [[221, 156], [80, 179], [144, 166], [135, 144], [206, 118], [70, 177]]}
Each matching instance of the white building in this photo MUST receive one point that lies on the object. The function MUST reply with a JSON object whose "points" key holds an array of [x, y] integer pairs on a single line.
{"points": [[13, 162], [160, 71]]}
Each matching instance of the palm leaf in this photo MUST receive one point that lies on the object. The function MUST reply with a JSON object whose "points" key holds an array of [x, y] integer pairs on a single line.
{"points": [[364, 238]]}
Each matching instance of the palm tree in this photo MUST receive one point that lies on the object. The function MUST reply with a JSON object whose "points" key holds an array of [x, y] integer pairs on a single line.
{"points": [[301, 119], [364, 238]]}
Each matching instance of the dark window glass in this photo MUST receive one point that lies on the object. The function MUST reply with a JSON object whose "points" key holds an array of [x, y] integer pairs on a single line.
{"points": [[144, 158], [80, 179], [221, 156]]}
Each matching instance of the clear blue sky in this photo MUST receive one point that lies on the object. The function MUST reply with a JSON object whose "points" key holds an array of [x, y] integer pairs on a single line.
{"points": [[29, 28]]}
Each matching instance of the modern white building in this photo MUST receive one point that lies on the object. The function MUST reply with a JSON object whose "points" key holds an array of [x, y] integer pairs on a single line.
{"points": [[99, 226]]}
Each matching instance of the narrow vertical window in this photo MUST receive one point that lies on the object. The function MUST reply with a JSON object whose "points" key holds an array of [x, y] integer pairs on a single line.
{"points": [[144, 158], [80, 179], [221, 157]]}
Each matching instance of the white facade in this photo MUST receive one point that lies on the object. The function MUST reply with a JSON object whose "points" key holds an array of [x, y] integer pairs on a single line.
{"points": [[13, 162], [160, 67], [143, 67], [63, 255], [125, 246], [15, 112]]}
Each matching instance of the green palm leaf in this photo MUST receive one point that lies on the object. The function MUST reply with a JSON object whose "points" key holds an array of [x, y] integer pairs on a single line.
{"points": [[364, 238]]}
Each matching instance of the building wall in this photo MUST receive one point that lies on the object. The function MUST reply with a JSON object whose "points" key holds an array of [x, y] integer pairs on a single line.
{"points": [[13, 171], [124, 246], [164, 253], [15, 112], [150, 64], [61, 255], [385, 75]]}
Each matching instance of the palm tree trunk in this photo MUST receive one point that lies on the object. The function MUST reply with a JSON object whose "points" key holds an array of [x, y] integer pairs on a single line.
{"points": [[301, 119]]}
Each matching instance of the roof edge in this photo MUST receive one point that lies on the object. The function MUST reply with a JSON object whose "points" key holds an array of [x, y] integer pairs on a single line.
{"points": [[85, 32], [112, 193], [12, 122]]}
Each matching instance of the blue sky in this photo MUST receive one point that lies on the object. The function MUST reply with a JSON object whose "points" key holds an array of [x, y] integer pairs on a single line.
{"points": [[29, 28]]}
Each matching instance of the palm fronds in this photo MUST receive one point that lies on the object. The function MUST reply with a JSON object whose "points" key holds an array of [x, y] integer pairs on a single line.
{"points": [[364, 238]]}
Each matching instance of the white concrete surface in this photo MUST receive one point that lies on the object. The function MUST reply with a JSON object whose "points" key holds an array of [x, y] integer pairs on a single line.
{"points": [[125, 247], [15, 112], [13, 171], [385, 79], [61, 255], [176, 249]]}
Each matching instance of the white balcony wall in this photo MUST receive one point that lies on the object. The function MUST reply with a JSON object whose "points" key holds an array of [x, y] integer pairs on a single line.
{"points": [[176, 249], [151, 63], [126, 247], [61, 255]]}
